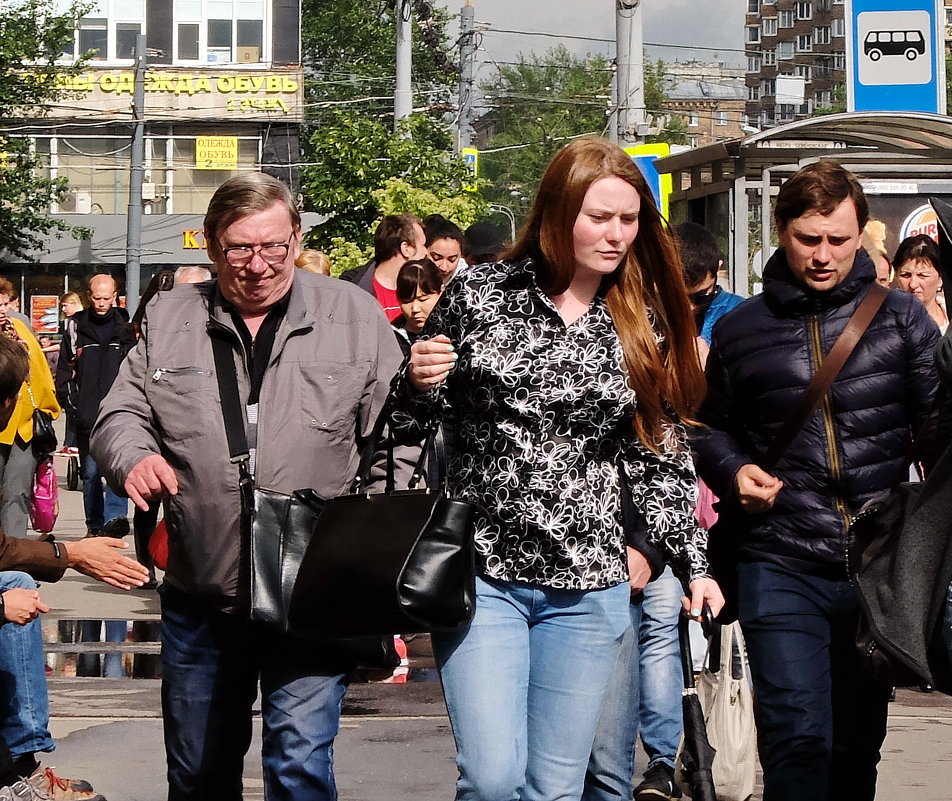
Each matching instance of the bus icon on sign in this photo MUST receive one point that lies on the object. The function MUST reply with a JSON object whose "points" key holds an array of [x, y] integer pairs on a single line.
{"points": [[910, 44]]}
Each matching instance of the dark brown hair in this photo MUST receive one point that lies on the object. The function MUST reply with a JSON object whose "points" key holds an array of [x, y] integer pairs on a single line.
{"points": [[391, 233], [921, 247], [665, 378], [819, 187], [14, 367], [415, 275]]}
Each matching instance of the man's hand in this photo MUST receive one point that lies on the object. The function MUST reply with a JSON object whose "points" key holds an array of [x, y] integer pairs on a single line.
{"points": [[756, 489], [21, 605], [101, 558], [152, 478], [430, 362], [639, 571]]}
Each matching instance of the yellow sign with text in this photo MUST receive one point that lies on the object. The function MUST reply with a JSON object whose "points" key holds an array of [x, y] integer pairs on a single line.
{"points": [[216, 153]]}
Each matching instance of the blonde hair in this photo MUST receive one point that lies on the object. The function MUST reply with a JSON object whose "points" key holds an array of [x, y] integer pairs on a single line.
{"points": [[314, 261]]}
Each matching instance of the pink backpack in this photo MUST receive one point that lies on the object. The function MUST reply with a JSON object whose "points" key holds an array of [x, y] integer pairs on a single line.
{"points": [[44, 506]]}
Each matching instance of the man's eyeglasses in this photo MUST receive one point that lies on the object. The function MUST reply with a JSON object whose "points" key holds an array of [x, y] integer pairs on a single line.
{"points": [[240, 255]]}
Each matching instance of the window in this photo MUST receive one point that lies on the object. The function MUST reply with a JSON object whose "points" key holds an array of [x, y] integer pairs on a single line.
{"points": [[108, 31], [786, 111], [803, 71], [824, 67], [785, 19], [785, 50], [948, 16], [839, 61], [753, 6], [692, 141], [822, 35], [804, 10], [805, 43], [720, 118], [94, 37], [823, 5], [754, 63], [824, 98], [692, 120], [838, 27], [769, 87], [838, 2], [770, 57], [753, 93], [770, 26], [753, 33], [219, 31]]}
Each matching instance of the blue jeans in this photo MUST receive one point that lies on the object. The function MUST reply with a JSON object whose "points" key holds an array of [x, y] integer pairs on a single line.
{"points": [[24, 704], [524, 683], [100, 502], [645, 689], [211, 665], [821, 718], [111, 664]]}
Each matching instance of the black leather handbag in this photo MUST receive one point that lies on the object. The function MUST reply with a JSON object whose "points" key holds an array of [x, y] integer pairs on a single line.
{"points": [[44, 437], [401, 561], [357, 566]]}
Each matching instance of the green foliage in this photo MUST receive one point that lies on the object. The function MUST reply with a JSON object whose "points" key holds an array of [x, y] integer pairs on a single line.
{"points": [[350, 56], [837, 102], [32, 37], [362, 171], [538, 105]]}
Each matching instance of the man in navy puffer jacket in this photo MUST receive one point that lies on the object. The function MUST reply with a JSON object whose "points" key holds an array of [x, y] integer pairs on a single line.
{"points": [[821, 719]]}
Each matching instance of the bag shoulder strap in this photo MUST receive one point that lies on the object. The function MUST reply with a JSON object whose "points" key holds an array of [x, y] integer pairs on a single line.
{"points": [[826, 374], [233, 417]]}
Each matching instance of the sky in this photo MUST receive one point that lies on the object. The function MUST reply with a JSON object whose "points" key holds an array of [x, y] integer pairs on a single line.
{"points": [[671, 28]]}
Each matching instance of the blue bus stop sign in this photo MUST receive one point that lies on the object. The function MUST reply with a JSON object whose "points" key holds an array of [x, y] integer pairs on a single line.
{"points": [[895, 57]]}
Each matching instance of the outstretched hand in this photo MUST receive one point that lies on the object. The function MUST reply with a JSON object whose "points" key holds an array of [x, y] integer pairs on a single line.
{"points": [[102, 558]]}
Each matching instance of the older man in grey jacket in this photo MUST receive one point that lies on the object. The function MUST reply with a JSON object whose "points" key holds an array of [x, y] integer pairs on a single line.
{"points": [[314, 358]]}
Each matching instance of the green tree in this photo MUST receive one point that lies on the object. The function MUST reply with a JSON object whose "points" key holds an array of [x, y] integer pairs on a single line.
{"points": [[536, 106], [362, 170], [33, 34], [349, 52]]}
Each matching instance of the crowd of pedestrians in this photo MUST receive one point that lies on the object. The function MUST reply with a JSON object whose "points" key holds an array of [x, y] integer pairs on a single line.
{"points": [[580, 373]]}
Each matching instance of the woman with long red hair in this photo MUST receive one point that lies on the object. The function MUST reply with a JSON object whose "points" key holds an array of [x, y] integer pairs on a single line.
{"points": [[572, 372]]}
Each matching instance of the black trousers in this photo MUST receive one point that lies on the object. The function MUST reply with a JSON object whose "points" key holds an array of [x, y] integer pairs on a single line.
{"points": [[821, 718]]}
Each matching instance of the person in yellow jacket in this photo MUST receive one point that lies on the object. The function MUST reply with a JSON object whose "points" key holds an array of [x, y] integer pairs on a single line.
{"points": [[17, 462]]}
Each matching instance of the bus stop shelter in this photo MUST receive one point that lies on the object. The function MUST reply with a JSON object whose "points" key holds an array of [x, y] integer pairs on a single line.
{"points": [[901, 158]]}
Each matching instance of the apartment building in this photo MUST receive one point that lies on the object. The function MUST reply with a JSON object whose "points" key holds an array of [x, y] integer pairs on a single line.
{"points": [[223, 94], [796, 58]]}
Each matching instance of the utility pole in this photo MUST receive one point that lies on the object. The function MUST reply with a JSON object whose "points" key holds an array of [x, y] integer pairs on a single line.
{"points": [[136, 170], [403, 97], [467, 53], [629, 73]]}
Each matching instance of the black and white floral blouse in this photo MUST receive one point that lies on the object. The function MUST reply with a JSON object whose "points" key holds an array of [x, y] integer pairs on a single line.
{"points": [[544, 414]]}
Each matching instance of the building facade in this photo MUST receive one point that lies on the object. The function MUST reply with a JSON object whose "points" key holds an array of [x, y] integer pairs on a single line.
{"points": [[796, 58], [223, 94], [709, 98]]}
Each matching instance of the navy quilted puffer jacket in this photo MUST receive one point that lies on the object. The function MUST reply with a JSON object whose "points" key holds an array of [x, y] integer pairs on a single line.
{"points": [[763, 355]]}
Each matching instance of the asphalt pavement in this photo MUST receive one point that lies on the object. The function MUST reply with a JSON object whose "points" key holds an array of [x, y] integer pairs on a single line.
{"points": [[395, 740]]}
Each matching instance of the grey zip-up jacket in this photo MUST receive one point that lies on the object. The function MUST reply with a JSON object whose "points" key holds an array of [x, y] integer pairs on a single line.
{"points": [[333, 358]]}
